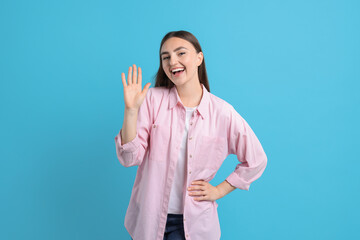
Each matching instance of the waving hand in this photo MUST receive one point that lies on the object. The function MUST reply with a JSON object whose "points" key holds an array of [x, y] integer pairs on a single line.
{"points": [[133, 95]]}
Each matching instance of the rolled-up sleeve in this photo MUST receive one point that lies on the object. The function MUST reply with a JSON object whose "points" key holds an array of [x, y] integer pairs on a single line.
{"points": [[243, 142], [132, 153]]}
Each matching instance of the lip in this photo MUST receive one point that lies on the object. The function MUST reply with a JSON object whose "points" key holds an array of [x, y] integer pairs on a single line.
{"points": [[178, 75], [176, 68]]}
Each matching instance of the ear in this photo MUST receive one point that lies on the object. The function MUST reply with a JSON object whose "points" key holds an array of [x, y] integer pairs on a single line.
{"points": [[200, 57]]}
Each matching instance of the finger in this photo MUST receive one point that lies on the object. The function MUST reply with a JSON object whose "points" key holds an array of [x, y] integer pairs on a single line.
{"points": [[134, 75], [197, 193], [140, 77], [130, 76], [201, 198], [123, 79], [198, 183], [197, 187], [146, 88]]}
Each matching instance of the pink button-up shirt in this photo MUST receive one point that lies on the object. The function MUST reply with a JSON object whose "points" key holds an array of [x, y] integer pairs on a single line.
{"points": [[215, 131]]}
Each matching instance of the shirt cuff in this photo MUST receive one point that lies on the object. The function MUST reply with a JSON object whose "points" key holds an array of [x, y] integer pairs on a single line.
{"points": [[237, 182], [129, 146]]}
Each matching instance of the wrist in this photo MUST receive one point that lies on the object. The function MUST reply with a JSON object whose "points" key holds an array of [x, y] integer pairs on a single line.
{"points": [[131, 111], [220, 192]]}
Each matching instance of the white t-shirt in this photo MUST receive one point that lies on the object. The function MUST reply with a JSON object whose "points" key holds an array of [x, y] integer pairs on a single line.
{"points": [[176, 194]]}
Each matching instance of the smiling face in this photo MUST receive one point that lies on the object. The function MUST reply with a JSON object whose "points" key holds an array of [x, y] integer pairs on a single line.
{"points": [[177, 53]]}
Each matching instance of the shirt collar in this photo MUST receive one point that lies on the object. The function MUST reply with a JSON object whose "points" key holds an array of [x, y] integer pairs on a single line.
{"points": [[204, 102]]}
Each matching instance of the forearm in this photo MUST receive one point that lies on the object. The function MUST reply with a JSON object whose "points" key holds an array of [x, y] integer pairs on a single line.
{"points": [[128, 131], [224, 188]]}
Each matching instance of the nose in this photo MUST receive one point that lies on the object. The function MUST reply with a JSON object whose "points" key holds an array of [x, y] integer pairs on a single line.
{"points": [[173, 60]]}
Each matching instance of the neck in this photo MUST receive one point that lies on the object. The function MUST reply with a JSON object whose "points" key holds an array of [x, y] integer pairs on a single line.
{"points": [[190, 94]]}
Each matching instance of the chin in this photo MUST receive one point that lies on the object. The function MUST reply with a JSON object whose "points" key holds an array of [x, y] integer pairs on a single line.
{"points": [[176, 82]]}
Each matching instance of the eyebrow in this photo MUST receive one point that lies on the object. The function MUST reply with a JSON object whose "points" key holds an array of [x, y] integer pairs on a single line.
{"points": [[176, 49]]}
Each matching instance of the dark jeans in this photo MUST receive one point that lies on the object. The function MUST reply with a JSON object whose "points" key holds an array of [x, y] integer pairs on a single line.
{"points": [[174, 229]]}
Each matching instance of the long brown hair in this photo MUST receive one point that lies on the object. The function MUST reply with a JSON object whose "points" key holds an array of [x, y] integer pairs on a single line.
{"points": [[162, 80]]}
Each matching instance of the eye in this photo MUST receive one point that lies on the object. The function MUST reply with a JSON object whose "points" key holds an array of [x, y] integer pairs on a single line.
{"points": [[182, 53]]}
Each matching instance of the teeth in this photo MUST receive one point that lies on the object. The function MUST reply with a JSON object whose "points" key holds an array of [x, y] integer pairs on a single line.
{"points": [[177, 70]]}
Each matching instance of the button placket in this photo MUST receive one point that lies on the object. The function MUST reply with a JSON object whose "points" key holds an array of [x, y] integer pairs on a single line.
{"points": [[192, 118], [190, 138], [191, 125]]}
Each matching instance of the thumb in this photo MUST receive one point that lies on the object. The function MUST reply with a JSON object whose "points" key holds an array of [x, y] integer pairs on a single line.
{"points": [[146, 88]]}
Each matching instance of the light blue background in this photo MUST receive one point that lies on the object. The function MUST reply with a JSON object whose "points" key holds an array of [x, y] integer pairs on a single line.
{"points": [[290, 68]]}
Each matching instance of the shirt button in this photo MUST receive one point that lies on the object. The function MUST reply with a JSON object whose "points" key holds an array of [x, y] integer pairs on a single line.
{"points": [[191, 123], [184, 219], [190, 138], [190, 172], [190, 155], [187, 235], [154, 126]]}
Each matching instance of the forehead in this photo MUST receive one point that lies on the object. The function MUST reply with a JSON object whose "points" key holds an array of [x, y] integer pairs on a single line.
{"points": [[174, 42]]}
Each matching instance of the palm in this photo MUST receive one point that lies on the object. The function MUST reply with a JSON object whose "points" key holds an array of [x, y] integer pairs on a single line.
{"points": [[133, 94]]}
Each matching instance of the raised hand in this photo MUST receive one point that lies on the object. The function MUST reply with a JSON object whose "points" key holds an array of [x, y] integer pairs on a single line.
{"points": [[133, 95]]}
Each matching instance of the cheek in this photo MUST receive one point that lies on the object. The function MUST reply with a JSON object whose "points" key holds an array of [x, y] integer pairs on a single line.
{"points": [[189, 63], [164, 69], [167, 73]]}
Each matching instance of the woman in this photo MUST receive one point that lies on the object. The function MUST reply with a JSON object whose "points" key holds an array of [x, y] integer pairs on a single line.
{"points": [[178, 134]]}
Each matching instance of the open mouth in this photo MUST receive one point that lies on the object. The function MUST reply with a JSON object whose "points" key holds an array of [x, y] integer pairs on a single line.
{"points": [[177, 72]]}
